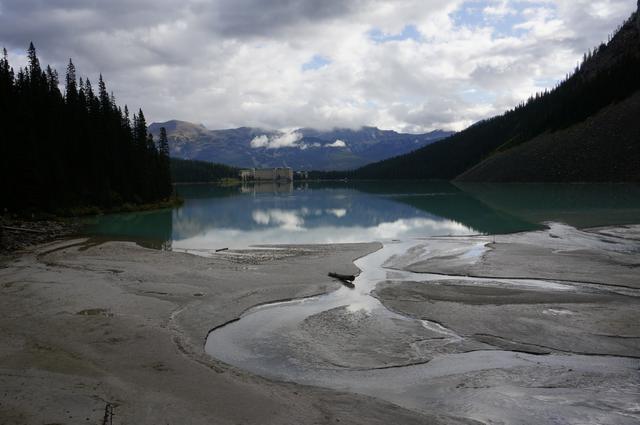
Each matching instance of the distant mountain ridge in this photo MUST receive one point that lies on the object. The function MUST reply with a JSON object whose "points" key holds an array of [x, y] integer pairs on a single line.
{"points": [[584, 130], [302, 149]]}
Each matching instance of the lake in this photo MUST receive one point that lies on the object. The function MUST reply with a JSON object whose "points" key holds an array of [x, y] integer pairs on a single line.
{"points": [[214, 217]]}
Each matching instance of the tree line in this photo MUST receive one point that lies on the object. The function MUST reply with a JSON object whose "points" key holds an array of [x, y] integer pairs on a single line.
{"points": [[193, 171], [73, 148]]}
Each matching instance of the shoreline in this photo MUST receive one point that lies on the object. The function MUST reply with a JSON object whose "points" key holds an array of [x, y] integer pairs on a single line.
{"points": [[19, 232], [17, 235], [120, 299]]}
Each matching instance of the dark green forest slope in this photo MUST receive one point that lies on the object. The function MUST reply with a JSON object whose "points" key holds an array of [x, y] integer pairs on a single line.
{"points": [[191, 171], [73, 149], [603, 148], [606, 77]]}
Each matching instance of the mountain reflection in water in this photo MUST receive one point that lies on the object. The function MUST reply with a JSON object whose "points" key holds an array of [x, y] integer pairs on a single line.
{"points": [[213, 217]]}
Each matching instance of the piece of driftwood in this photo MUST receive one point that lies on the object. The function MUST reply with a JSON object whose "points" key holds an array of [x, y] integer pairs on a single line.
{"points": [[346, 279], [108, 414], [20, 229], [222, 249]]}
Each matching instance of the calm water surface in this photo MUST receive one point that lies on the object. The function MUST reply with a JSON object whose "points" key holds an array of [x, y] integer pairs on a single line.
{"points": [[214, 217]]}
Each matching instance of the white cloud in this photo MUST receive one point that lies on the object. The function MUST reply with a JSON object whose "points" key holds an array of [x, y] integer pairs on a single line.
{"points": [[337, 144], [260, 141], [248, 67], [338, 212], [283, 140], [288, 220], [286, 140]]}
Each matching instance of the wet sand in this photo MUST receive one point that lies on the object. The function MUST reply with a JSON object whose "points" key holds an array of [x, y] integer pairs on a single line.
{"points": [[85, 326], [536, 327]]}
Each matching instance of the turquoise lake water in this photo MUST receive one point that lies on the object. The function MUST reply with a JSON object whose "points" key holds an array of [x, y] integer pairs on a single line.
{"points": [[214, 217]]}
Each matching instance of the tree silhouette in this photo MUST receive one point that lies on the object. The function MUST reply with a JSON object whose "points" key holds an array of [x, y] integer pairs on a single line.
{"points": [[73, 150]]}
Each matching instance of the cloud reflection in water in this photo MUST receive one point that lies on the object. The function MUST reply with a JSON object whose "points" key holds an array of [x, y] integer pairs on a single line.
{"points": [[287, 227]]}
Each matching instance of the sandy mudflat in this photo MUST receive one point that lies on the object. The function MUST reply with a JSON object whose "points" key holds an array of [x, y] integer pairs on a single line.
{"points": [[558, 290], [558, 311], [538, 327], [86, 324]]}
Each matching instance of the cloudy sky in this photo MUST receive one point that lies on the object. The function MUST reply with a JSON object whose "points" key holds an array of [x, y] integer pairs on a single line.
{"points": [[408, 65]]}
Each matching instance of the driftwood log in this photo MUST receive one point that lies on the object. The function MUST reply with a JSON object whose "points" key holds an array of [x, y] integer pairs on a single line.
{"points": [[222, 249], [346, 279]]}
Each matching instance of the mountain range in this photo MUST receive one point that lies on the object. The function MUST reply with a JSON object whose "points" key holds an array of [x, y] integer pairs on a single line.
{"points": [[301, 149]]}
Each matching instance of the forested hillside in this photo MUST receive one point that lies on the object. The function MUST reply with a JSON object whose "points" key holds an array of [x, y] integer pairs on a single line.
{"points": [[73, 149], [608, 75], [191, 171], [603, 148]]}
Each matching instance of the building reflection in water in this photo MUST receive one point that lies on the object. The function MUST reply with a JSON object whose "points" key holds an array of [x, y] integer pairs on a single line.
{"points": [[266, 187]]}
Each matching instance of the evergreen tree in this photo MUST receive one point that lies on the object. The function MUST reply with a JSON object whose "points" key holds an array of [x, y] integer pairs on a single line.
{"points": [[88, 91], [140, 132], [105, 100], [163, 151], [70, 83], [163, 143], [34, 64]]}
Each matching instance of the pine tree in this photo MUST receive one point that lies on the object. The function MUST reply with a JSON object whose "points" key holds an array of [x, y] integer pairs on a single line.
{"points": [[105, 101], [34, 64], [163, 143], [88, 91], [4, 65], [140, 128], [163, 151], [126, 121], [70, 83], [52, 78]]}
